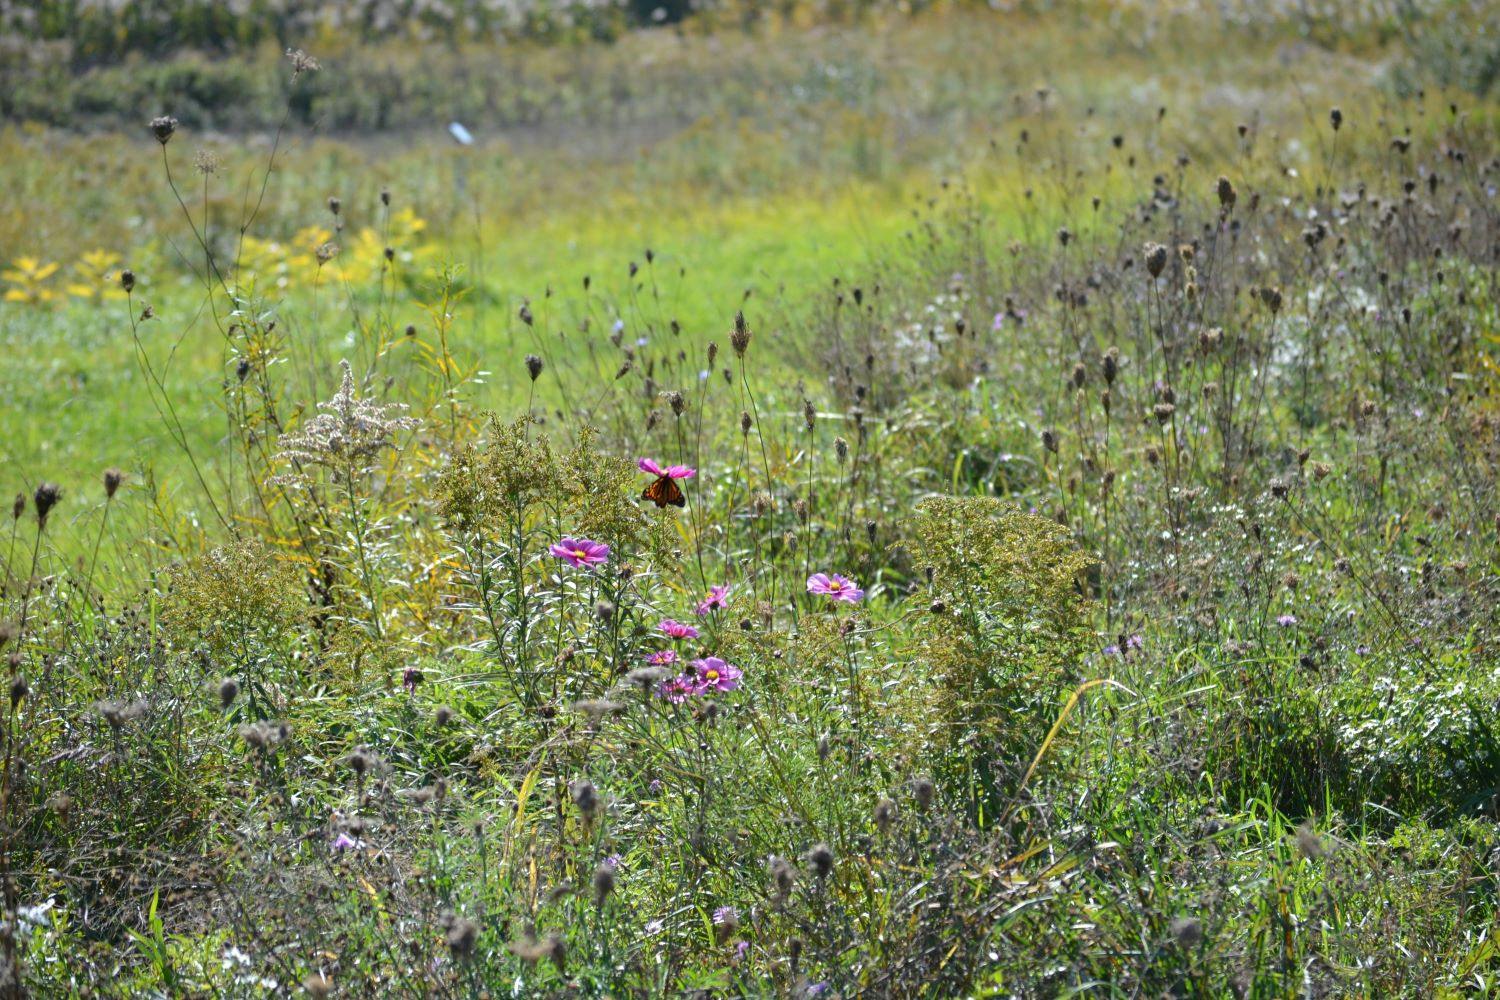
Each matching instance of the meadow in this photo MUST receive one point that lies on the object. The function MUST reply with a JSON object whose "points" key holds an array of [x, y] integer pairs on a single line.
{"points": [[840, 500]]}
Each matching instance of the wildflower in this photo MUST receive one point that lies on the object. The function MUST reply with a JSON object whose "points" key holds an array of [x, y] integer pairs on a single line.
{"points": [[662, 658], [581, 551], [670, 472], [1135, 643], [726, 922], [836, 587], [1286, 621], [677, 629], [716, 675], [717, 599], [677, 689], [344, 842]]}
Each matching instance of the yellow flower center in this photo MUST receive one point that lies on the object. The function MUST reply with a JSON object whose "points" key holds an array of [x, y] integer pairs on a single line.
{"points": [[580, 554], [835, 586], [711, 675]]}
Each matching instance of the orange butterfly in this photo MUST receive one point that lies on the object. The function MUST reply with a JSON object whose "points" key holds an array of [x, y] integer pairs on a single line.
{"points": [[665, 491]]}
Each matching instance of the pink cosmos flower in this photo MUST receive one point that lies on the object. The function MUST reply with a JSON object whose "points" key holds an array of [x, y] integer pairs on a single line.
{"points": [[718, 597], [671, 471], [677, 689], [581, 551], [677, 629], [716, 675], [836, 587], [662, 658]]}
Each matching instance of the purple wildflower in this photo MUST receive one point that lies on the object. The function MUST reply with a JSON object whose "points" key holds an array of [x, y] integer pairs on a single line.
{"points": [[671, 471], [718, 598], [1134, 643], [677, 629], [716, 675], [1286, 621], [344, 842], [581, 551], [662, 658], [836, 587], [677, 689]]}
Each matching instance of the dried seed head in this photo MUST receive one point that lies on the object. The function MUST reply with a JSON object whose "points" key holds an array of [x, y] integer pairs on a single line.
{"points": [[112, 480], [885, 815], [1156, 258], [809, 413], [318, 986], [18, 690], [585, 797], [745, 422], [739, 339], [164, 127], [18, 507], [557, 951], [1336, 118], [534, 366], [783, 879], [820, 860], [442, 715], [841, 448], [1111, 364], [1309, 843], [1226, 192], [678, 402], [463, 935], [1049, 440], [361, 762], [127, 280], [46, 497], [924, 791], [229, 689], [604, 882], [1080, 375], [1187, 932]]}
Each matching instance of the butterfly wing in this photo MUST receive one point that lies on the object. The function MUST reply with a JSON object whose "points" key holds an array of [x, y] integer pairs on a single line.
{"points": [[665, 491]]}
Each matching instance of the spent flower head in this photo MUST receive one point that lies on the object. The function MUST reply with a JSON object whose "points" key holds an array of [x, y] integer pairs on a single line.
{"points": [[349, 429]]}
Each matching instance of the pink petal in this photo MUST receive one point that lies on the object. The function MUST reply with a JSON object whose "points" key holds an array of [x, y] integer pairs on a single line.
{"points": [[647, 465]]}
